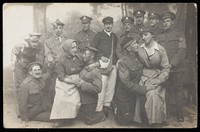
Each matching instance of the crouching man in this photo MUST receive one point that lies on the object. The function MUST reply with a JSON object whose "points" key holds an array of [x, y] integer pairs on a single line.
{"points": [[30, 96], [90, 85]]}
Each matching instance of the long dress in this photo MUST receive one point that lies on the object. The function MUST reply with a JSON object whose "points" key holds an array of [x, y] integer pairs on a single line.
{"points": [[67, 99], [156, 66]]}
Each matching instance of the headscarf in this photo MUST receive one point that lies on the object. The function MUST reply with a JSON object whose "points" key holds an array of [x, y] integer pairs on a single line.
{"points": [[67, 46]]}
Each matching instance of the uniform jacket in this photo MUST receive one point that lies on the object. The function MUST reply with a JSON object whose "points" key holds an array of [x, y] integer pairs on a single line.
{"points": [[30, 98], [32, 54], [103, 42], [174, 43], [91, 86], [53, 47], [131, 33], [156, 29], [138, 28], [129, 73], [84, 38]]}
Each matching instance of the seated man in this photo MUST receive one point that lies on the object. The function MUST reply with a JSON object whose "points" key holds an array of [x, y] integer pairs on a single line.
{"points": [[90, 85], [30, 97]]}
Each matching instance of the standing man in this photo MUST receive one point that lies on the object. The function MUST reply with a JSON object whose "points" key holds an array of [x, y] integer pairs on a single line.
{"points": [[106, 42], [30, 99], [128, 27], [139, 19], [174, 43], [85, 36], [29, 51], [89, 87], [154, 26], [53, 51]]}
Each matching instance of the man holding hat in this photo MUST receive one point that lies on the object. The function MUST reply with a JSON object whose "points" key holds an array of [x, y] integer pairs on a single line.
{"points": [[139, 18], [53, 50], [174, 43], [106, 42], [154, 19], [85, 36], [30, 99], [128, 27], [29, 51], [89, 86], [129, 72]]}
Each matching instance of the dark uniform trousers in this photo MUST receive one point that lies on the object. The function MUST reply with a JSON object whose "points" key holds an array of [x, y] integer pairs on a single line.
{"points": [[175, 84]]}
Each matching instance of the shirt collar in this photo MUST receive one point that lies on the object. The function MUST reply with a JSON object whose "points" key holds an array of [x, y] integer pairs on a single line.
{"points": [[155, 45], [109, 33]]}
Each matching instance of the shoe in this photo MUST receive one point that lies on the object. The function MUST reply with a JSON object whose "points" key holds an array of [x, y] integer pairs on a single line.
{"points": [[106, 110], [96, 119], [164, 123]]}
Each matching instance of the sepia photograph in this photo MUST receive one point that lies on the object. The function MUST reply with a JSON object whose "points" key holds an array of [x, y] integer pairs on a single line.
{"points": [[100, 65]]}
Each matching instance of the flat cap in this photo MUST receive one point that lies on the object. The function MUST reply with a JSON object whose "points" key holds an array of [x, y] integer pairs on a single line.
{"points": [[58, 23], [92, 48], [34, 64], [35, 34], [85, 19], [107, 19], [153, 15], [126, 42], [127, 19], [168, 15], [139, 13]]}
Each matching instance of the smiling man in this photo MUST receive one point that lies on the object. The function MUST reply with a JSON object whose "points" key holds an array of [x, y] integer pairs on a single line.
{"points": [[30, 99]]}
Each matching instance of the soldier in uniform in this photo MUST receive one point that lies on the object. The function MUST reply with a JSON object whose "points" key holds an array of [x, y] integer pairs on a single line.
{"points": [[85, 36], [30, 99], [139, 18], [29, 51], [129, 73], [174, 43], [53, 51], [154, 19], [89, 86], [128, 27]]}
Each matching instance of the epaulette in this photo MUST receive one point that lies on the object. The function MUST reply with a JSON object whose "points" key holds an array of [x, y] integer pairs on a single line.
{"points": [[27, 80]]}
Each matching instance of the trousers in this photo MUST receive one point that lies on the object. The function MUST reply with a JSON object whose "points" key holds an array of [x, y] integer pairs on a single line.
{"points": [[108, 89]]}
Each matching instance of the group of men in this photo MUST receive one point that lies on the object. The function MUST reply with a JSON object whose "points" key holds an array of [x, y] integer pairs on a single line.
{"points": [[33, 62]]}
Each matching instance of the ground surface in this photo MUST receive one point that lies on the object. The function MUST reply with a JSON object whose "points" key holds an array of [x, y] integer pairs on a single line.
{"points": [[11, 121]]}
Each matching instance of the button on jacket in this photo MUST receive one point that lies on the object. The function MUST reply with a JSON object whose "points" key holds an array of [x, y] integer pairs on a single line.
{"points": [[30, 98], [84, 38], [174, 43]]}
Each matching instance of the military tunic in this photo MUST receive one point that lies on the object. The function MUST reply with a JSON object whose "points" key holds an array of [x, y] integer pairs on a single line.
{"points": [[84, 38], [129, 73], [31, 55], [174, 43], [30, 99], [131, 33]]}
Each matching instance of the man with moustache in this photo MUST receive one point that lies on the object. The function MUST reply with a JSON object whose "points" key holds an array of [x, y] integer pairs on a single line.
{"points": [[106, 42], [29, 51], [86, 35], [139, 19], [154, 26], [30, 99], [128, 27]]}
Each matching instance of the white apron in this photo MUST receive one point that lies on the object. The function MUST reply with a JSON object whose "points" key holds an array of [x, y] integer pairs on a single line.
{"points": [[66, 101]]}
